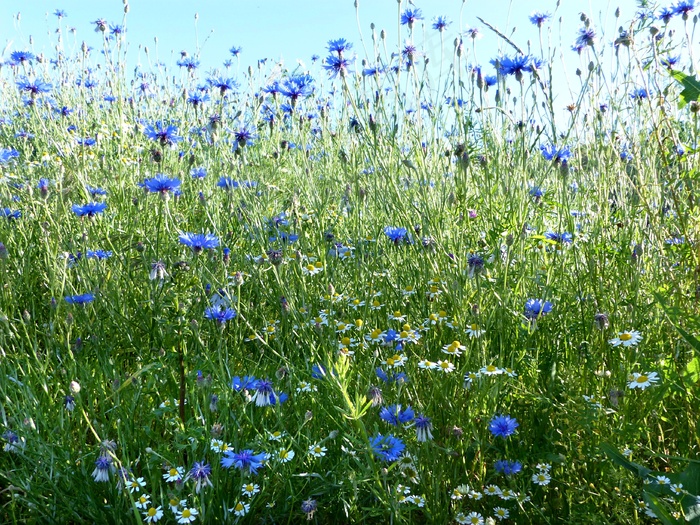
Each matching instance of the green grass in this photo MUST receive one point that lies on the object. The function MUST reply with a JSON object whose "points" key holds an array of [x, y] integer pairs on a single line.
{"points": [[459, 180]]}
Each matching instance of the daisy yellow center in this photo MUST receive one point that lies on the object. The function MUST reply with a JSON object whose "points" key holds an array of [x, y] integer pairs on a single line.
{"points": [[442, 313], [404, 334], [239, 506], [376, 333], [456, 344], [375, 303], [319, 319], [224, 447], [475, 327], [186, 513], [490, 368], [397, 313], [283, 455], [319, 264], [341, 326], [356, 301], [152, 512], [345, 341], [433, 289], [310, 267], [406, 327], [541, 477], [445, 364], [249, 488], [626, 336], [173, 472], [143, 499], [359, 322], [317, 450], [173, 503], [390, 361], [642, 379], [277, 434]]}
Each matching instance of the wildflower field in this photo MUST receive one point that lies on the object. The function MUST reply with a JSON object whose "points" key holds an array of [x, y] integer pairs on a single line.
{"points": [[389, 287]]}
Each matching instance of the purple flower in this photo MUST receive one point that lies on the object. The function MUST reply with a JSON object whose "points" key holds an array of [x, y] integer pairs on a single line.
{"points": [[503, 426], [264, 394], [423, 428], [200, 473]]}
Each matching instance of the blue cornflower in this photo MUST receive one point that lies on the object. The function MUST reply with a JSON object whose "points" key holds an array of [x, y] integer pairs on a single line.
{"points": [[395, 234], [475, 263], [297, 86], [670, 61], [440, 23], [115, 29], [372, 71], [189, 63], [339, 46], [33, 87], [423, 428], [90, 209], [200, 472], [318, 371], [337, 65], [103, 464], [60, 13], [244, 134], [197, 99], [490, 80], [22, 56], [165, 133], [98, 254], [309, 506], [89, 141], [503, 426], [515, 66], [535, 308], [639, 94], [393, 414], [80, 299], [538, 18], [235, 51], [561, 155], [243, 383], [245, 459], [199, 241], [220, 314], [411, 16], [563, 237], [586, 37], [278, 397], [223, 84], [508, 467], [198, 173], [665, 14], [69, 403], [6, 155], [10, 214], [683, 8], [227, 183], [537, 192], [94, 192], [263, 392], [387, 448], [162, 184]]}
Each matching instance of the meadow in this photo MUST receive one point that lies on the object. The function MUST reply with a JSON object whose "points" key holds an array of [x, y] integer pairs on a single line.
{"points": [[357, 292]]}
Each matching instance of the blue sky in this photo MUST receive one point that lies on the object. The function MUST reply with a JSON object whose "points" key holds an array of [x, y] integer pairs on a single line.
{"points": [[280, 29]]}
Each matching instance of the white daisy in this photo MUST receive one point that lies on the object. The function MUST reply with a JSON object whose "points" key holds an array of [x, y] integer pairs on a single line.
{"points": [[642, 381], [628, 338]]}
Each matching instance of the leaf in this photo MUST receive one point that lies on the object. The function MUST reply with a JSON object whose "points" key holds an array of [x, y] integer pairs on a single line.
{"points": [[660, 509], [673, 315], [691, 87], [692, 371], [622, 461]]}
